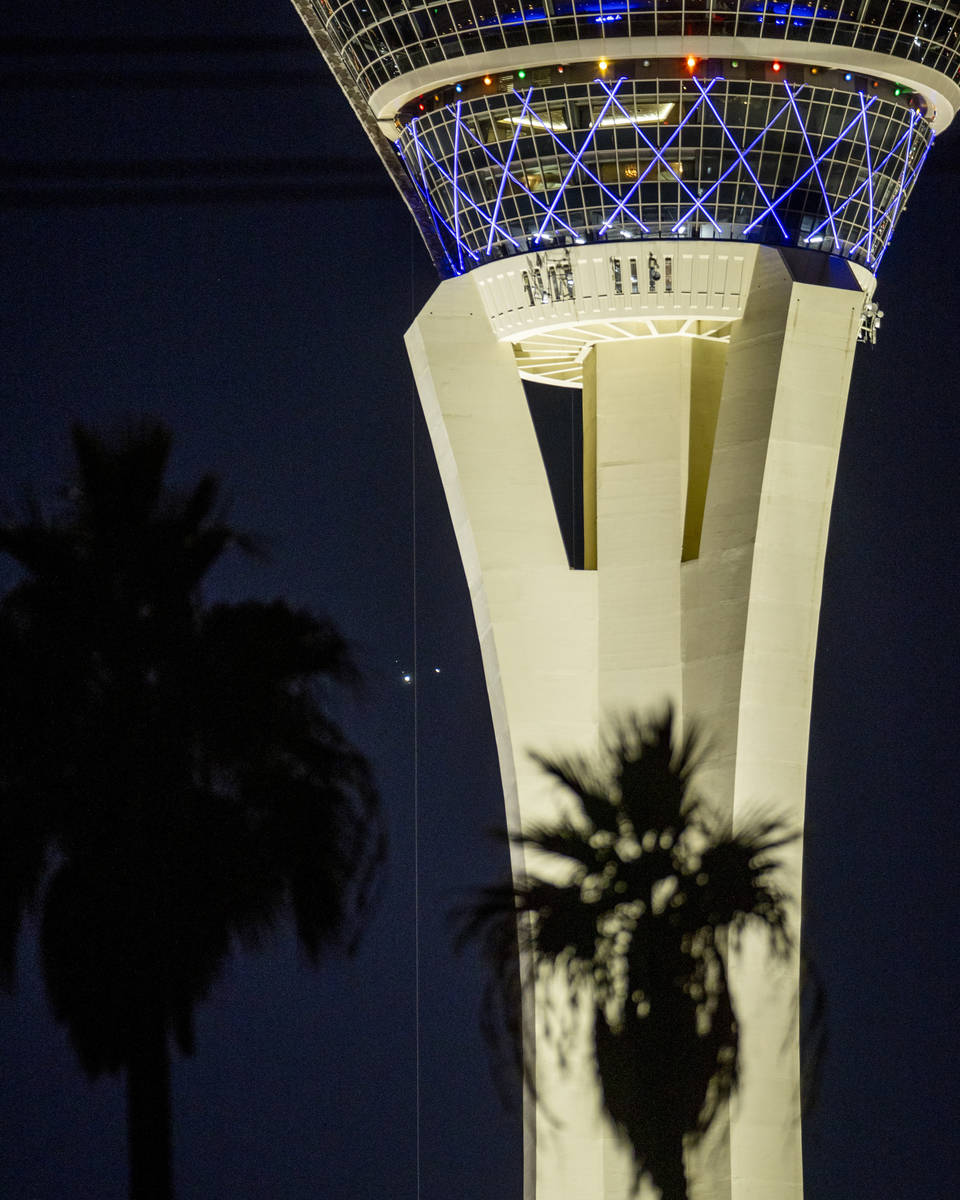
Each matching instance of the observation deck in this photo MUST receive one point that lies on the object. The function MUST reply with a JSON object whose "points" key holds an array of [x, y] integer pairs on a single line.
{"points": [[518, 127]]}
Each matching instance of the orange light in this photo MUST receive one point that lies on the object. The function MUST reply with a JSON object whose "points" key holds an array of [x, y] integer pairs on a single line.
{"points": [[602, 64], [487, 80], [814, 70], [691, 63], [776, 66], [559, 70]]}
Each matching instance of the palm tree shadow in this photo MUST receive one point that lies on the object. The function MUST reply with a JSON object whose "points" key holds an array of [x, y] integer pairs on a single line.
{"points": [[643, 889]]}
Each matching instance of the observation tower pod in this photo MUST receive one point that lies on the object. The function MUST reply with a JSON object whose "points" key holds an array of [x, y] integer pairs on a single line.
{"points": [[679, 207]]}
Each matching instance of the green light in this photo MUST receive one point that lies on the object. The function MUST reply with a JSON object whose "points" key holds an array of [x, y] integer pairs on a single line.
{"points": [[896, 91], [734, 63], [521, 74]]}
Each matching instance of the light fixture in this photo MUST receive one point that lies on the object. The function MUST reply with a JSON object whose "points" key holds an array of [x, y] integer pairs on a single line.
{"points": [[735, 63], [645, 114], [776, 66], [603, 64], [848, 77], [521, 74], [691, 63], [458, 88], [487, 80]]}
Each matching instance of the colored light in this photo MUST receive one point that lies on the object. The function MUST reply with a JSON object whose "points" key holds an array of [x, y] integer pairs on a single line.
{"points": [[487, 80], [691, 63], [559, 70], [735, 63], [521, 74], [836, 205], [421, 106], [603, 64], [458, 88], [776, 66], [875, 83], [814, 70], [896, 91], [848, 77]]}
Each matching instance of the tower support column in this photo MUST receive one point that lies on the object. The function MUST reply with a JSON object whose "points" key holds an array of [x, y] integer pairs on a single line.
{"points": [[708, 476]]}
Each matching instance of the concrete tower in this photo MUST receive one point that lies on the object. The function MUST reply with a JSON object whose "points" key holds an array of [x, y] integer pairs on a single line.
{"points": [[677, 206]]}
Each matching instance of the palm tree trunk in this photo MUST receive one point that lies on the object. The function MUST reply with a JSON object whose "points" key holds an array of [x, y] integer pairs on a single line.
{"points": [[669, 1174], [149, 1127]]}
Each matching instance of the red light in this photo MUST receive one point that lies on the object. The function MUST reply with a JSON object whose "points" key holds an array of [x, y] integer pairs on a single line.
{"points": [[559, 70], [691, 64], [421, 107], [776, 66]]}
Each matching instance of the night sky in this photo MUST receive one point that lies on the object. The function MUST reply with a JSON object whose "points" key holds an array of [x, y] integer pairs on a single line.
{"points": [[193, 226]]}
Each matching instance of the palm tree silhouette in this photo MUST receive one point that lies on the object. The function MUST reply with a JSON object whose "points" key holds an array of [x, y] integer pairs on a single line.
{"points": [[645, 888], [170, 782]]}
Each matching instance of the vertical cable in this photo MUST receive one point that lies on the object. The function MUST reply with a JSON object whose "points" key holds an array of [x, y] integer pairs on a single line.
{"points": [[416, 729]]}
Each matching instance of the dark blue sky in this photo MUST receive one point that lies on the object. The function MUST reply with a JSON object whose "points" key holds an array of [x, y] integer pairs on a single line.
{"points": [[258, 306]]}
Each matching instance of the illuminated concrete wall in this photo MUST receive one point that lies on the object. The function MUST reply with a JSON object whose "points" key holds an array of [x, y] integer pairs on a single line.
{"points": [[713, 415]]}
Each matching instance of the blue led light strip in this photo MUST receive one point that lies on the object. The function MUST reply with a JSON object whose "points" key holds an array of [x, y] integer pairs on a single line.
{"points": [[800, 178], [586, 170], [900, 199], [733, 166], [515, 179], [460, 192], [741, 156], [893, 204], [815, 161], [580, 153], [506, 165], [658, 155], [866, 142], [425, 193], [456, 168], [907, 135]]}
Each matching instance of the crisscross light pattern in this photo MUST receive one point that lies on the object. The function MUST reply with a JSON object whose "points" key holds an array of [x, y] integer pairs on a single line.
{"points": [[379, 40], [773, 162]]}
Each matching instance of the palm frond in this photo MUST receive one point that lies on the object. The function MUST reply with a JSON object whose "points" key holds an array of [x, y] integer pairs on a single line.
{"points": [[575, 775]]}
